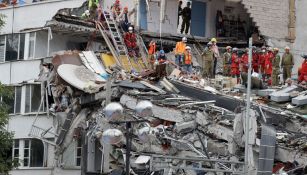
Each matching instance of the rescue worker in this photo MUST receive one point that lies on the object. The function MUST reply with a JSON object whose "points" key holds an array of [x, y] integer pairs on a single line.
{"points": [[116, 9], [151, 54], [227, 61], [186, 18], [187, 60], [161, 65], [262, 56], [235, 63], [268, 65], [287, 63], [179, 51], [255, 60], [303, 71], [207, 60], [124, 19], [275, 67], [216, 54], [179, 12], [93, 5], [130, 41], [244, 61]]}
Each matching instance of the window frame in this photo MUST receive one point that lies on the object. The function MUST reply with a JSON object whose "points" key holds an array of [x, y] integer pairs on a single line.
{"points": [[77, 147], [30, 100]]}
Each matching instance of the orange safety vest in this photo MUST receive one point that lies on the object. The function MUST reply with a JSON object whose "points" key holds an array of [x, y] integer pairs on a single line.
{"points": [[152, 49], [187, 58], [180, 48]]}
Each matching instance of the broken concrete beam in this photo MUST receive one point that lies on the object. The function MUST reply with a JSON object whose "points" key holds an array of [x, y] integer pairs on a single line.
{"points": [[171, 85], [283, 95], [185, 127], [300, 100], [91, 98], [153, 87]]}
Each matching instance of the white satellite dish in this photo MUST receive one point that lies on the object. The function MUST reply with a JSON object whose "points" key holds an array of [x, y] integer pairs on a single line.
{"points": [[112, 136], [144, 108], [113, 111]]}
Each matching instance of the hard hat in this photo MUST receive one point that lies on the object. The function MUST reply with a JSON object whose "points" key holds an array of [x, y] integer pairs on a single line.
{"points": [[213, 40], [247, 49], [162, 52], [209, 43], [228, 47], [117, 1], [254, 47], [287, 48], [130, 28], [235, 49], [126, 8], [87, 12], [263, 47], [270, 49], [276, 49], [184, 39], [187, 48]]}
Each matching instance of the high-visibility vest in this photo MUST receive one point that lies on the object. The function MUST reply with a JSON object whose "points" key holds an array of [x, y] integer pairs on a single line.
{"points": [[152, 49], [187, 58], [180, 47]]}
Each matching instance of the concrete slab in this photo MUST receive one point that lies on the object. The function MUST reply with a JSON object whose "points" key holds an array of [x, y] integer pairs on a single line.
{"points": [[265, 92], [283, 95], [300, 100]]}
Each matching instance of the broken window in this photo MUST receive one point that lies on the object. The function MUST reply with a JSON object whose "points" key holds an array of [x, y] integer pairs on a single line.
{"points": [[33, 98], [14, 47], [29, 152]]}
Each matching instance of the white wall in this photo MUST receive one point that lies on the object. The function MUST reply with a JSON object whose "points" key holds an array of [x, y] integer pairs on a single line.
{"points": [[21, 125], [34, 15], [19, 71], [46, 171]]}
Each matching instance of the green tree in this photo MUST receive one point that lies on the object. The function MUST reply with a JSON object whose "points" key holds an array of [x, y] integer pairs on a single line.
{"points": [[6, 138]]}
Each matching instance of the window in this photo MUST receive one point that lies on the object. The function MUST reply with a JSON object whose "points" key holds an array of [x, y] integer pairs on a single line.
{"points": [[78, 152], [16, 149], [32, 45], [29, 152], [2, 48], [33, 98], [12, 47], [14, 103]]}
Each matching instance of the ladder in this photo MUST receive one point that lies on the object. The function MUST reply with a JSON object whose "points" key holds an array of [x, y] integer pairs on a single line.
{"points": [[118, 41]]}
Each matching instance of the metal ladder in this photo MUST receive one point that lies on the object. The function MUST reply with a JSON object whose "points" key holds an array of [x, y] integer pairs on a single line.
{"points": [[118, 42]]}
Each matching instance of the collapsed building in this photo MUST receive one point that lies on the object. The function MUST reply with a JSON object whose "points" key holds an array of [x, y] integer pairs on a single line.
{"points": [[196, 126]]}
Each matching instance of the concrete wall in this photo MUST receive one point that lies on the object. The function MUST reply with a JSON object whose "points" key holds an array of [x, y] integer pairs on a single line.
{"points": [[34, 15], [45, 171]]}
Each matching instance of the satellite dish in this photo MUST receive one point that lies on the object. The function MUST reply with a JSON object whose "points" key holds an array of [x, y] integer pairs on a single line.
{"points": [[144, 108], [143, 134], [112, 136], [113, 111]]}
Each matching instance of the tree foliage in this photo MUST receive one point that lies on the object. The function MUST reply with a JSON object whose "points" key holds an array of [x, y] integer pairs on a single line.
{"points": [[2, 22], [6, 138]]}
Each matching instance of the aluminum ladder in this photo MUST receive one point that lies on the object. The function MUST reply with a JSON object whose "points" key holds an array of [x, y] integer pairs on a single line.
{"points": [[118, 41]]}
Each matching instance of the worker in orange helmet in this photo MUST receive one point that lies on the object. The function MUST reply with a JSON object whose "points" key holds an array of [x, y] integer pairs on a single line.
{"points": [[268, 65], [151, 54], [303, 71], [235, 64]]}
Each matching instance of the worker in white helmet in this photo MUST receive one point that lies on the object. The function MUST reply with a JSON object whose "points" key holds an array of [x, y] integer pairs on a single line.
{"points": [[179, 51], [187, 66]]}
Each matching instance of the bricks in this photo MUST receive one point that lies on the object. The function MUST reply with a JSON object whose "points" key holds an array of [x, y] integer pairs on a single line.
{"points": [[272, 17]]}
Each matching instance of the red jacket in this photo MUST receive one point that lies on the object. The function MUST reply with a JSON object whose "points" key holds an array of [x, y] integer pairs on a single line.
{"points": [[130, 40], [235, 63], [255, 62], [303, 72], [244, 62], [262, 59], [268, 63]]}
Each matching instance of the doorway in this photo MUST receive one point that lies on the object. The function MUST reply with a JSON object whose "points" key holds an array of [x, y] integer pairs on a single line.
{"points": [[198, 19]]}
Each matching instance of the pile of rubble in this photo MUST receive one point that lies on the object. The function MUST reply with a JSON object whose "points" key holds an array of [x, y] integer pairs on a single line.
{"points": [[196, 125]]}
